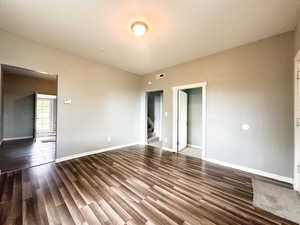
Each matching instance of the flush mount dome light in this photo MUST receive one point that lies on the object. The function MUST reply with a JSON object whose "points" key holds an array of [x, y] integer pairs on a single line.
{"points": [[139, 28]]}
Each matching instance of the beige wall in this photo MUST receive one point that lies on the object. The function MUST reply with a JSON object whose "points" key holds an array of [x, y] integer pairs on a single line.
{"points": [[297, 37], [250, 84], [18, 106], [105, 100], [28, 85]]}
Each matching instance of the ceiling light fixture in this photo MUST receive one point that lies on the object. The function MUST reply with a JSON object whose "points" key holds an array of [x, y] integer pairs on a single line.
{"points": [[139, 28]]}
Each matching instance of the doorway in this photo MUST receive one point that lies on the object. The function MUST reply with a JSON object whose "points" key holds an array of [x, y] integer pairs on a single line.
{"points": [[45, 120], [154, 102], [189, 122], [28, 119]]}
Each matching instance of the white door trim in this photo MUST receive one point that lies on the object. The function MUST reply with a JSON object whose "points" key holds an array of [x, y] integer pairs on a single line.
{"points": [[46, 96], [296, 129], [175, 113], [182, 120]]}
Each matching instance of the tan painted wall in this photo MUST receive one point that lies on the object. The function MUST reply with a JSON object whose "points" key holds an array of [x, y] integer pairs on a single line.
{"points": [[18, 107], [105, 100], [250, 84], [297, 37]]}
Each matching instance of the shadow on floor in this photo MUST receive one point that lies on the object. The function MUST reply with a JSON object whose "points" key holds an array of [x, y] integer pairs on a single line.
{"points": [[20, 154]]}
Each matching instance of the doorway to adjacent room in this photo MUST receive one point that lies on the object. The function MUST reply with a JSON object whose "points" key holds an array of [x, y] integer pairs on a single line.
{"points": [[45, 121], [154, 103], [189, 124], [28, 119]]}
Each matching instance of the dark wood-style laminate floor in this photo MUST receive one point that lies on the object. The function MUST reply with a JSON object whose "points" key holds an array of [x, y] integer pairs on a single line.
{"points": [[25, 153], [134, 185]]}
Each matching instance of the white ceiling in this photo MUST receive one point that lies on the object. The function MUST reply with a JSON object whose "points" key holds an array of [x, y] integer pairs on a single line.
{"points": [[180, 30]]}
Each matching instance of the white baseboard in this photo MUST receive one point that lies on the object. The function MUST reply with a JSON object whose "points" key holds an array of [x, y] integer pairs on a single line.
{"points": [[93, 152], [253, 171], [168, 149], [194, 146], [17, 138], [245, 169], [163, 148]]}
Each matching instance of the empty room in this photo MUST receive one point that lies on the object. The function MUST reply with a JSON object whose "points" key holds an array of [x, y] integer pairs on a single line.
{"points": [[29, 118], [150, 112]]}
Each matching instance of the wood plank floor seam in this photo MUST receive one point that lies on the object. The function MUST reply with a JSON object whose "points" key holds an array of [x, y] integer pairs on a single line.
{"points": [[135, 185]]}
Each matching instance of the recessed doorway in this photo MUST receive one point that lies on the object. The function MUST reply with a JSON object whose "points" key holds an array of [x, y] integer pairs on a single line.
{"points": [[45, 121], [154, 104], [28, 119], [189, 124]]}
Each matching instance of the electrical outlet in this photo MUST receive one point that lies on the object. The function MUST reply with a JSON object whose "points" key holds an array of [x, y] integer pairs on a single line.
{"points": [[108, 139], [298, 168], [245, 126]]}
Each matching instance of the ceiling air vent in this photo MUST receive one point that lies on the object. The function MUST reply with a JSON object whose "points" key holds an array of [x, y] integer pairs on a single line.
{"points": [[160, 76]]}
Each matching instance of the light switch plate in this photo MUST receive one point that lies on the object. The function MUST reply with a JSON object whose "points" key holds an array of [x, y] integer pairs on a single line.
{"points": [[298, 122], [67, 101]]}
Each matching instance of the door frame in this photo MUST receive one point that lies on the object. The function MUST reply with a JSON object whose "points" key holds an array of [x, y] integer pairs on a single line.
{"points": [[145, 114], [34, 115], [48, 97], [182, 107], [296, 182], [202, 85], [56, 75]]}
